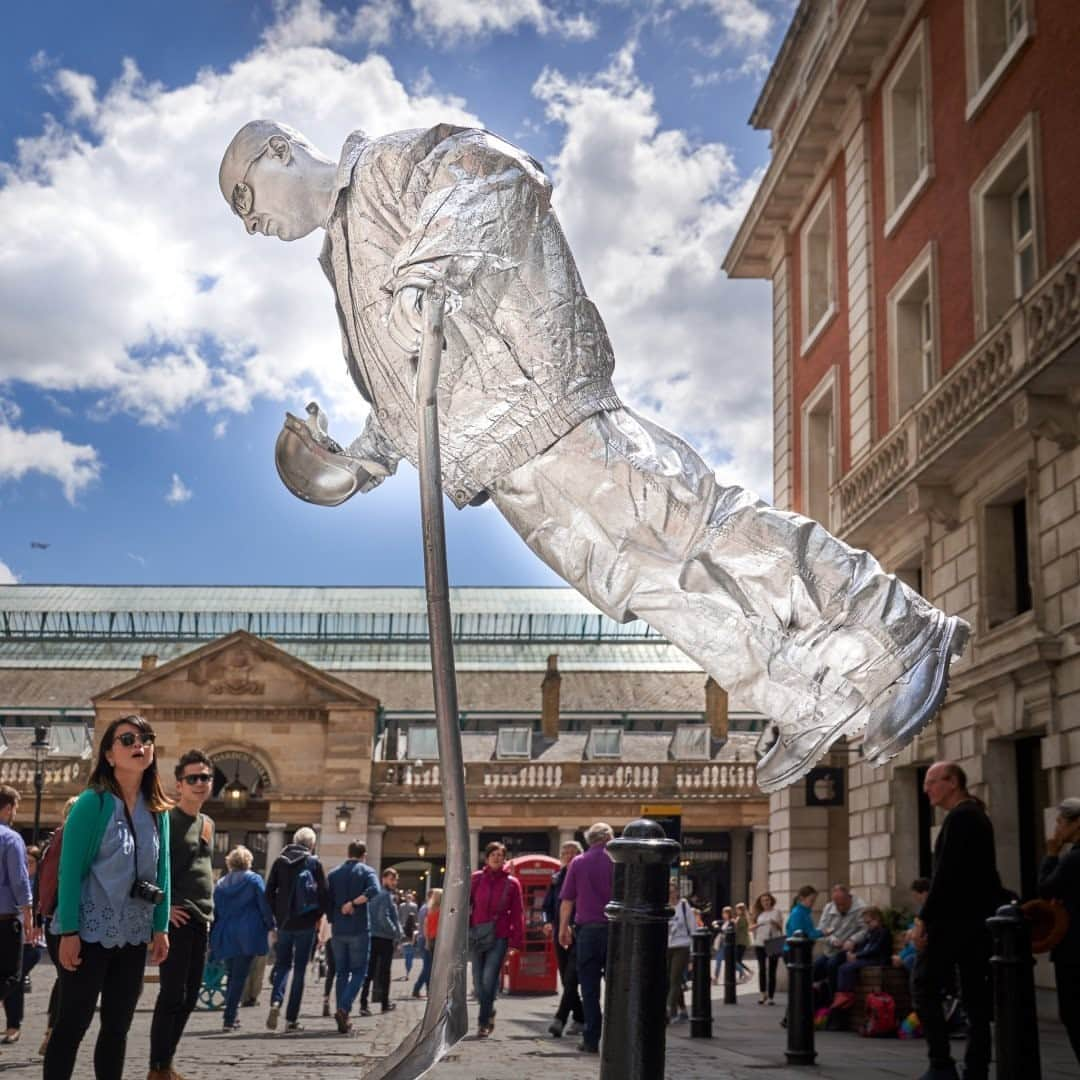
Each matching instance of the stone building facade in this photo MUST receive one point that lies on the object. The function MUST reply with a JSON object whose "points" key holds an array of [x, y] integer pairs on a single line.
{"points": [[919, 225]]}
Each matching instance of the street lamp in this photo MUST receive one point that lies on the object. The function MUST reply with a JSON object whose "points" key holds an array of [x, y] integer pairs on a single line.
{"points": [[421, 846], [39, 748], [344, 815], [235, 792]]}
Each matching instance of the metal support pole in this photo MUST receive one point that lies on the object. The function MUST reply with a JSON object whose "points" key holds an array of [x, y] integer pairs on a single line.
{"points": [[800, 1015], [39, 785], [446, 1017], [730, 997], [1016, 1027], [701, 1000], [634, 1033]]}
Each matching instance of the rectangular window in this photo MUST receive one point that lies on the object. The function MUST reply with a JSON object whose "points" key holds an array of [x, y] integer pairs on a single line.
{"points": [[604, 742], [691, 742], [820, 456], [818, 269], [1005, 220], [514, 742], [1007, 590], [422, 743], [912, 334], [994, 31], [906, 103], [910, 572]]}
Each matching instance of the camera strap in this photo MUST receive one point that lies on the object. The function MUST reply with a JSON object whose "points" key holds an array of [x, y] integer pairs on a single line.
{"points": [[134, 837]]}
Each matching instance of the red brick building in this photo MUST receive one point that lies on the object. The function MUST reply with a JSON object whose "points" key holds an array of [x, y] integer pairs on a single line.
{"points": [[920, 226]]}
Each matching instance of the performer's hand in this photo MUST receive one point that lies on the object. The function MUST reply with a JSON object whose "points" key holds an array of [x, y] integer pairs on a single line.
{"points": [[70, 952], [159, 947]]}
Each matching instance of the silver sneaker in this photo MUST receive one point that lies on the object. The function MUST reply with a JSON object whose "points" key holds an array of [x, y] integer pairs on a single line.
{"points": [[910, 702]]}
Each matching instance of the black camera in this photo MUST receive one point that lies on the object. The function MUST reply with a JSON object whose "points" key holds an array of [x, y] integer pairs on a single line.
{"points": [[148, 891]]}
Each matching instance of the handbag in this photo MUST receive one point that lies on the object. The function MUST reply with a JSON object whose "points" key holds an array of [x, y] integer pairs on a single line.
{"points": [[775, 946]]}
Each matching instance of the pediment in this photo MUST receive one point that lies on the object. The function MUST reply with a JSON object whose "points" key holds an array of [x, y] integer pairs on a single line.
{"points": [[239, 669]]}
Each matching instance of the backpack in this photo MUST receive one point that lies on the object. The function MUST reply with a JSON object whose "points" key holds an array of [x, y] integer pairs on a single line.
{"points": [[304, 898], [880, 1021], [49, 875]]}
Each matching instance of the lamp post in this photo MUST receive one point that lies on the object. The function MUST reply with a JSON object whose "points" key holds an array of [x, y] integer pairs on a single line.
{"points": [[235, 792], [344, 816], [39, 748], [421, 846]]}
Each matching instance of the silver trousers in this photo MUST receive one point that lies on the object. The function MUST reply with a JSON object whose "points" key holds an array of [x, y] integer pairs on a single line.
{"points": [[791, 621]]}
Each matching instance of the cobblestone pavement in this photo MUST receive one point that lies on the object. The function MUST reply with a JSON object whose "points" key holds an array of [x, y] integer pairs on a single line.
{"points": [[748, 1044]]}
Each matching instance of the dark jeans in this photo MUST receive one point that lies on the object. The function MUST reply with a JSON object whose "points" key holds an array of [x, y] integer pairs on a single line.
{"points": [[678, 961], [570, 1002], [292, 954], [966, 948], [426, 957], [178, 991], [1068, 992], [16, 999], [331, 969], [11, 954], [351, 955], [486, 967], [117, 976], [591, 944], [378, 974], [767, 985], [52, 943], [827, 968], [236, 970]]}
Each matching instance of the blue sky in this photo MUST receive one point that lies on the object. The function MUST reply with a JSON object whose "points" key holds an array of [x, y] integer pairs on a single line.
{"points": [[150, 348]]}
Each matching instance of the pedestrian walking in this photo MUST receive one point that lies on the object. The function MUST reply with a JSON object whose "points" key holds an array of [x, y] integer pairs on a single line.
{"points": [[242, 922], [15, 998], [16, 896], [743, 942], [767, 930], [385, 934], [570, 1007], [952, 935], [585, 894], [496, 928], [727, 921], [407, 916], [191, 851], [297, 892], [113, 899], [328, 967], [681, 927], [353, 885], [428, 917], [1059, 879]]}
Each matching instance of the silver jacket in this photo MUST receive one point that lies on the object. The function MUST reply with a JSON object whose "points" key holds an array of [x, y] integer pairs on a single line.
{"points": [[527, 355]]}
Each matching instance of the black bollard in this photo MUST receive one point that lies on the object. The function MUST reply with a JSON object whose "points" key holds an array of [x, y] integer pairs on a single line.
{"points": [[635, 1014], [729, 967], [701, 1001], [1016, 1027], [800, 1014]]}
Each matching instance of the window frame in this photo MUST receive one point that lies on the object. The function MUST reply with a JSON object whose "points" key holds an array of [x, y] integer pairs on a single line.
{"points": [[897, 204], [678, 751], [410, 754], [825, 203], [980, 90], [827, 387], [502, 754], [591, 751], [925, 263]]}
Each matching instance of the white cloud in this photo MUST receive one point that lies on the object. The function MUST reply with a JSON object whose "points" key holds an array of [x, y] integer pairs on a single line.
{"points": [[448, 20], [46, 452], [178, 491], [220, 429], [649, 215], [743, 22], [7, 577]]}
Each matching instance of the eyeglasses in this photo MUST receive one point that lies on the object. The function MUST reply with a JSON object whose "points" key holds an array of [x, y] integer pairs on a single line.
{"points": [[243, 194], [127, 738], [197, 778]]}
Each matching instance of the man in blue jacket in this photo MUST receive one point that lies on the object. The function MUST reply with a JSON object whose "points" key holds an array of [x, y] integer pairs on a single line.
{"points": [[352, 885], [385, 934]]}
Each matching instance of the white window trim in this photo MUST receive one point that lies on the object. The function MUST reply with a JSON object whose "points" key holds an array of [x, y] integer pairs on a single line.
{"points": [[829, 386], [1026, 138], [919, 42], [924, 262], [979, 93], [812, 333]]}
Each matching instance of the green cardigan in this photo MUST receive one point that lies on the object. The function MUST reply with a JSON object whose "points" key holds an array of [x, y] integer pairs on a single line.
{"points": [[83, 832]]}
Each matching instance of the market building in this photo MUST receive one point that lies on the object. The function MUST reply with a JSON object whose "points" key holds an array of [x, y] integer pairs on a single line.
{"points": [[315, 705], [919, 225]]}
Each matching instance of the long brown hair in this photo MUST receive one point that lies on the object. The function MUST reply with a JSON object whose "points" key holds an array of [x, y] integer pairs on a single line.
{"points": [[759, 907], [103, 778]]}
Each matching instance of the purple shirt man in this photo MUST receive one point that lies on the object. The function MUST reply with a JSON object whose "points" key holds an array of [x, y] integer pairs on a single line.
{"points": [[588, 884]]}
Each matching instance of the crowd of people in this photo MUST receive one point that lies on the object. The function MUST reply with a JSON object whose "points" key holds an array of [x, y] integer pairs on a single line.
{"points": [[128, 877]]}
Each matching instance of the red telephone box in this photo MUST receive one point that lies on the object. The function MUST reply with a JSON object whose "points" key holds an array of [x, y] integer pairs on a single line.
{"points": [[534, 969]]}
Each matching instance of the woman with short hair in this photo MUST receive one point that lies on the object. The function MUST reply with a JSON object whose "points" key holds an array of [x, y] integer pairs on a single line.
{"points": [[242, 920], [113, 898]]}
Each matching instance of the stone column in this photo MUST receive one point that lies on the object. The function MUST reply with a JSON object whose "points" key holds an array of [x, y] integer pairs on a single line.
{"points": [[566, 836], [334, 844], [739, 883], [759, 862], [474, 849], [275, 841], [374, 841]]}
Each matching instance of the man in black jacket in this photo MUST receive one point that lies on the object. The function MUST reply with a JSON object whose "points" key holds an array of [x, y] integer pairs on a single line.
{"points": [[1059, 879], [570, 1002], [951, 933], [298, 895]]}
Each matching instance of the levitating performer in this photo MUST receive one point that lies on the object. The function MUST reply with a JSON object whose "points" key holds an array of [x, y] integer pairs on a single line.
{"points": [[803, 628]]}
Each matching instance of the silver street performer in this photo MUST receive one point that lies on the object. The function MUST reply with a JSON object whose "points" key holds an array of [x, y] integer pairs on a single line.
{"points": [[809, 631]]}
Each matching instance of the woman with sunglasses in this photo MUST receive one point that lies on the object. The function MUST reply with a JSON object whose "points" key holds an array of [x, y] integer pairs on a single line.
{"points": [[113, 898]]}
